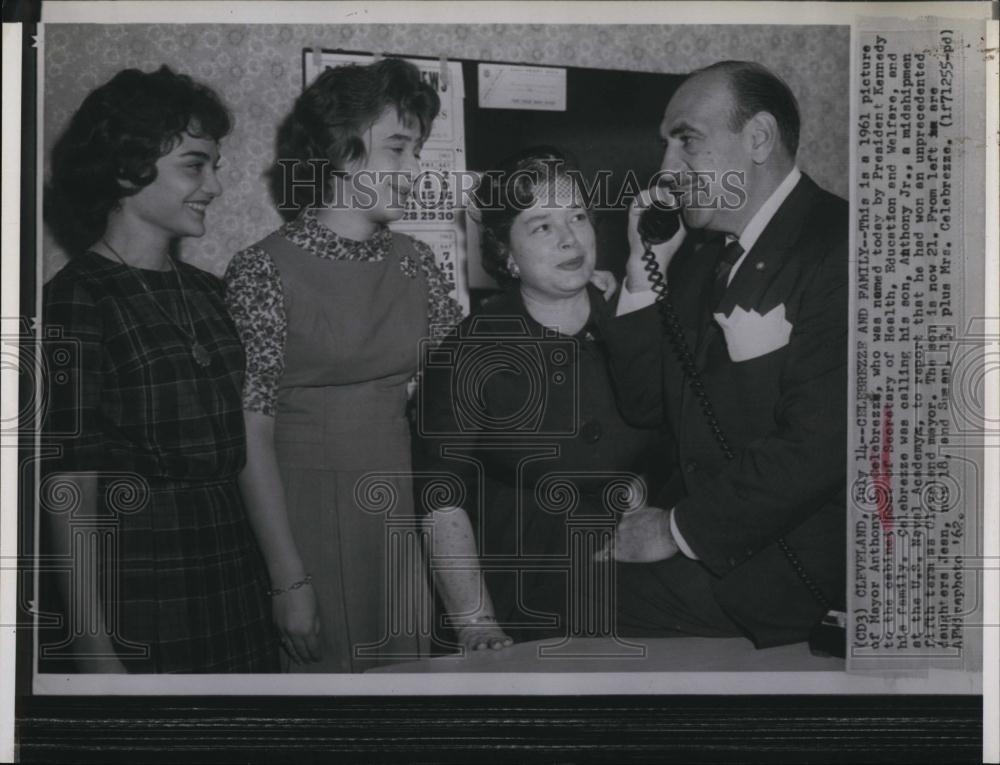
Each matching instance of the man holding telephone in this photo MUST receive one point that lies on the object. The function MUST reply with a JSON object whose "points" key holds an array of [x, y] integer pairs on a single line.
{"points": [[745, 365]]}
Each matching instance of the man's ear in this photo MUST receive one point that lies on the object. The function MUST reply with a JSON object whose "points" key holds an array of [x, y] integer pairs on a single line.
{"points": [[762, 135]]}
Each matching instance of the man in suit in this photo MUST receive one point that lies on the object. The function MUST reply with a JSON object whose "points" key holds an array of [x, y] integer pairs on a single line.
{"points": [[750, 539]]}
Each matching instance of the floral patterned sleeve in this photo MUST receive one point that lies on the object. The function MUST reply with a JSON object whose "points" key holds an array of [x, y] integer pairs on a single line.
{"points": [[443, 311], [256, 303]]}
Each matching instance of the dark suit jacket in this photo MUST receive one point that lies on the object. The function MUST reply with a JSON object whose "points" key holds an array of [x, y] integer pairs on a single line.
{"points": [[784, 414]]}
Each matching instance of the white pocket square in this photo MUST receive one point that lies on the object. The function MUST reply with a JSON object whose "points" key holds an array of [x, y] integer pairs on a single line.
{"points": [[750, 334]]}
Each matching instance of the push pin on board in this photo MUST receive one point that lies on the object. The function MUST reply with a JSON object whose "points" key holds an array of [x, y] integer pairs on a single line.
{"points": [[444, 73]]}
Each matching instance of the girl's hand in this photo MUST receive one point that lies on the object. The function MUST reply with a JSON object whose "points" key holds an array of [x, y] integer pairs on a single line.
{"points": [[297, 619], [107, 665], [97, 655]]}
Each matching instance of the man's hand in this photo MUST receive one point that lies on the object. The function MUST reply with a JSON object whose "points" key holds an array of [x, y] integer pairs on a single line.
{"points": [[642, 536], [635, 270]]}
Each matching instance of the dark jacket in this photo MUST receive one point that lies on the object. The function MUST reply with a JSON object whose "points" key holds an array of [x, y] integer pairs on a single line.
{"points": [[527, 422], [783, 413]]}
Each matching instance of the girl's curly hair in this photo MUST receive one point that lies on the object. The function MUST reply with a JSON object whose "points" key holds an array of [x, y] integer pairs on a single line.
{"points": [[110, 148], [326, 125]]}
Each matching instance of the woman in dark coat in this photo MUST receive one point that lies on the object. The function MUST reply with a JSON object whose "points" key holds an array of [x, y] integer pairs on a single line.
{"points": [[519, 423]]}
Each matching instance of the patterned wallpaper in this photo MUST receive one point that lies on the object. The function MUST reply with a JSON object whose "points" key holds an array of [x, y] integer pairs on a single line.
{"points": [[257, 70]]}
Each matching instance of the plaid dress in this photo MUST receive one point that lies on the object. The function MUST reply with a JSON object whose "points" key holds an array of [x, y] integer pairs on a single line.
{"points": [[186, 586]]}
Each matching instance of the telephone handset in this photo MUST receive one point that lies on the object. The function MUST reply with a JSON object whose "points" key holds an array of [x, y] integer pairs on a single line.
{"points": [[657, 225]]}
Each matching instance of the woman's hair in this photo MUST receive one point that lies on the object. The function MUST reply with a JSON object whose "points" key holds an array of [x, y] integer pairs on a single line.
{"points": [[504, 193], [110, 148], [326, 125]]}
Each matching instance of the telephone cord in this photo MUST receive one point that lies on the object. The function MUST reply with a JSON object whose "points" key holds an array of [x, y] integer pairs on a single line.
{"points": [[675, 333]]}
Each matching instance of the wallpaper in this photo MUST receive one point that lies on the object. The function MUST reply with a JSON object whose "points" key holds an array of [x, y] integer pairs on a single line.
{"points": [[258, 71]]}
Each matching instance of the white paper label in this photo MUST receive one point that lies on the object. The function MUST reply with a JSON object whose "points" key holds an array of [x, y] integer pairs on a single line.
{"points": [[522, 87]]}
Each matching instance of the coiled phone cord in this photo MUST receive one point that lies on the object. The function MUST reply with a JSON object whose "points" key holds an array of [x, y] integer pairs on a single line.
{"points": [[675, 333]]}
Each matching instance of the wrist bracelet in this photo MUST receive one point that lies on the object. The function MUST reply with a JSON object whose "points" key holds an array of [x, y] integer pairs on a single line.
{"points": [[293, 586], [473, 622]]}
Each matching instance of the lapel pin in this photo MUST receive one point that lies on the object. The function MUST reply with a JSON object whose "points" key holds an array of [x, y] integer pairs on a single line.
{"points": [[760, 265]]}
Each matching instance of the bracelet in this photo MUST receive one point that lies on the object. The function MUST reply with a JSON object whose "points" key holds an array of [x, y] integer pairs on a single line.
{"points": [[473, 622], [293, 586]]}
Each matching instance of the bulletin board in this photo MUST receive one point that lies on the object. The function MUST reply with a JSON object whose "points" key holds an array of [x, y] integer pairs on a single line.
{"points": [[605, 121], [610, 124]]}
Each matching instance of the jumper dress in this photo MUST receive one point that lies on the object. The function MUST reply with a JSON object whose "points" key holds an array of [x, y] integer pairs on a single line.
{"points": [[343, 448]]}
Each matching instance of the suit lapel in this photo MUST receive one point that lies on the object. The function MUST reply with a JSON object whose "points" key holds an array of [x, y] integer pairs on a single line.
{"points": [[694, 267], [749, 286], [774, 246]]}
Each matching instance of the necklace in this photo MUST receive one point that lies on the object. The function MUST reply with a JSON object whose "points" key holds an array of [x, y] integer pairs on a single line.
{"points": [[198, 351]]}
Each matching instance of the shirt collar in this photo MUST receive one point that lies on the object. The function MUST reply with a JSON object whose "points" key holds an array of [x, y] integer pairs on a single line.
{"points": [[757, 224], [307, 232]]}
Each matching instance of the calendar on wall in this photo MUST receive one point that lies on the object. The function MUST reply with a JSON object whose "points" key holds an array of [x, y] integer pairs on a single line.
{"points": [[434, 214], [603, 120]]}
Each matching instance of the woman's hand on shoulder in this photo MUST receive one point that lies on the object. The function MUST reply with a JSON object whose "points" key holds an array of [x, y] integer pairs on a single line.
{"points": [[605, 281]]}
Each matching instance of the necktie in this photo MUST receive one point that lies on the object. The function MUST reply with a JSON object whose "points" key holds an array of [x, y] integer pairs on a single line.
{"points": [[723, 268]]}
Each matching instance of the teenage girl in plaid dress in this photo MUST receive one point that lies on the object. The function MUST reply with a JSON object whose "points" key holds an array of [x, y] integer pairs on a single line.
{"points": [[148, 422]]}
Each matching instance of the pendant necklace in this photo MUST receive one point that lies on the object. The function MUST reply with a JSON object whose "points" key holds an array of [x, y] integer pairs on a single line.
{"points": [[198, 351]]}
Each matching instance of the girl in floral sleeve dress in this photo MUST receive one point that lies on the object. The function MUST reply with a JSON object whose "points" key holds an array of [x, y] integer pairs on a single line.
{"points": [[331, 309]]}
